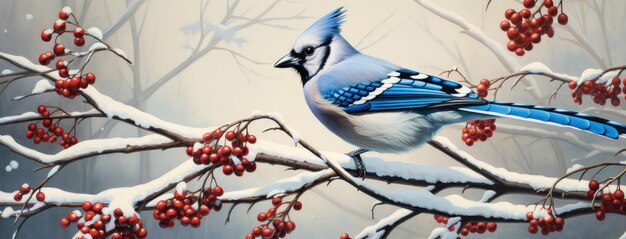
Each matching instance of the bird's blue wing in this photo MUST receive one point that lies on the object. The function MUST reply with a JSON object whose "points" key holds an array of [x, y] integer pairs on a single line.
{"points": [[403, 90]]}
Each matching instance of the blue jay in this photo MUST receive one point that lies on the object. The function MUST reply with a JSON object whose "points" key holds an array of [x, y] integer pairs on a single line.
{"points": [[376, 105]]}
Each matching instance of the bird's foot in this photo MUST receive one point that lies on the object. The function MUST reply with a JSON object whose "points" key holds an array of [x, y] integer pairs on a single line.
{"points": [[358, 161]]}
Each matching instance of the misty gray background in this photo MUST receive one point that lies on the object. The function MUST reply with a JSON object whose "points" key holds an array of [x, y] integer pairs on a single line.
{"points": [[215, 88]]}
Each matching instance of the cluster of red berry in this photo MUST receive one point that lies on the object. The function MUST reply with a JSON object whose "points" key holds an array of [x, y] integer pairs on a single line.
{"points": [[600, 93], [181, 208], [128, 227], [547, 225], [50, 130], [87, 226], [483, 88], [611, 201], [68, 85], [277, 219], [94, 222], [470, 227], [525, 28], [221, 155], [25, 190], [59, 27], [131, 228], [476, 130]]}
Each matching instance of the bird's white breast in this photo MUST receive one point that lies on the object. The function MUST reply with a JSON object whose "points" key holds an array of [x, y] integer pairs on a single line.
{"points": [[382, 131]]}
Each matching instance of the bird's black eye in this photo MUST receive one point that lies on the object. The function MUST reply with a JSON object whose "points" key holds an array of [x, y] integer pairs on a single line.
{"points": [[309, 50]]}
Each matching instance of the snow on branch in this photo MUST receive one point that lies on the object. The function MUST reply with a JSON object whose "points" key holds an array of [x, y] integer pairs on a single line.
{"points": [[90, 148], [385, 225], [33, 116]]}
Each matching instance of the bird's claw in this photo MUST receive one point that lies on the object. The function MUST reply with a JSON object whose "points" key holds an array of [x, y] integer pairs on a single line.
{"points": [[358, 161]]}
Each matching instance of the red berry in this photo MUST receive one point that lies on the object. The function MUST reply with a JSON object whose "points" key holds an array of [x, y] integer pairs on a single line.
{"points": [[553, 10], [256, 231], [217, 133], [529, 216], [618, 194], [559, 221], [607, 198], [227, 170], [97, 207], [195, 222], [290, 226], [91, 78], [17, 197], [30, 134], [277, 201], [516, 18], [251, 167], [548, 3], [251, 139], [525, 14], [230, 135], [297, 205], [46, 35], [72, 217], [593, 184], [59, 50], [508, 13], [41, 109], [512, 33], [79, 41], [572, 84], [207, 137], [505, 25], [485, 82], [218, 191], [529, 3], [65, 222], [261, 217], [511, 46], [60, 65], [25, 189], [79, 32], [532, 229], [59, 26], [267, 232], [64, 14], [535, 38], [41, 196], [492, 226], [600, 215], [87, 206], [344, 236], [562, 19], [44, 59], [519, 52]]}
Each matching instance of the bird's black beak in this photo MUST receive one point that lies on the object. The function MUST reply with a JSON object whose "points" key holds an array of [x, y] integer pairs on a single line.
{"points": [[288, 60]]}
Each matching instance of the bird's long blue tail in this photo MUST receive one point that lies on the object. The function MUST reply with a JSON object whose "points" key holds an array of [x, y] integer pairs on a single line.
{"points": [[548, 115]]}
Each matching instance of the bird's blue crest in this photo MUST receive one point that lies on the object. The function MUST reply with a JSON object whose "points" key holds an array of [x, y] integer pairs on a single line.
{"points": [[323, 29]]}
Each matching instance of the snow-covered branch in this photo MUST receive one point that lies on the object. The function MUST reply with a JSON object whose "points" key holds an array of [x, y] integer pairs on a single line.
{"points": [[91, 148], [384, 226]]}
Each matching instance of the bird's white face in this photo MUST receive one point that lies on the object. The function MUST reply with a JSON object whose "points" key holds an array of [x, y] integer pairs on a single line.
{"points": [[308, 57], [315, 58]]}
